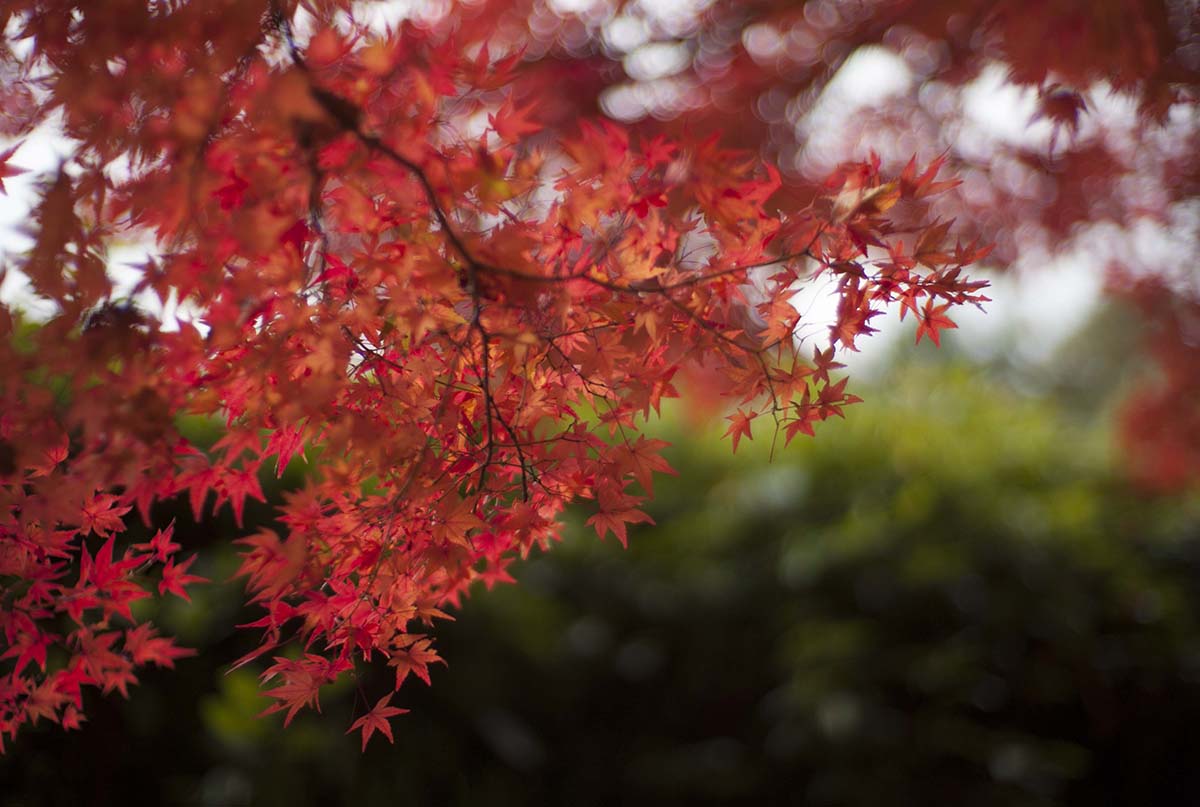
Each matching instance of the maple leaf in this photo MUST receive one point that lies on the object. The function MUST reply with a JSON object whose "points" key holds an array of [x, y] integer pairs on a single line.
{"points": [[45, 701], [801, 424], [297, 691], [641, 207], [236, 485], [377, 720], [231, 194], [161, 544], [658, 150], [28, 648], [928, 249], [920, 186], [71, 680], [513, 123], [110, 669], [414, 655], [740, 426], [615, 521], [7, 170], [824, 361], [175, 578], [932, 320], [1061, 105], [102, 571], [199, 481], [71, 718], [300, 683], [102, 515], [457, 522], [285, 443], [146, 647], [645, 460], [53, 456]]}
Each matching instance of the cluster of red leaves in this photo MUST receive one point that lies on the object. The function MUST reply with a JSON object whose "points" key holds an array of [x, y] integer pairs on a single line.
{"points": [[1113, 87], [469, 323]]}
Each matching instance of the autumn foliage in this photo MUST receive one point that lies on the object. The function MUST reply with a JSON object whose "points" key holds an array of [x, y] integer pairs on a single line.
{"points": [[1096, 157], [397, 253], [383, 262], [1073, 126]]}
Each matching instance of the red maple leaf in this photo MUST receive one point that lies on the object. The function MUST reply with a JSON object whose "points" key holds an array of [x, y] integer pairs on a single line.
{"points": [[377, 720], [739, 426], [615, 521], [147, 648], [300, 685], [161, 544], [102, 515], [932, 320], [175, 578], [7, 170], [513, 123], [415, 655]]}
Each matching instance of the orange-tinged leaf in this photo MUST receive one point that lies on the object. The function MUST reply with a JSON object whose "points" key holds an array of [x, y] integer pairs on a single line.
{"points": [[512, 123], [929, 245], [739, 426], [615, 521], [415, 657], [933, 320]]}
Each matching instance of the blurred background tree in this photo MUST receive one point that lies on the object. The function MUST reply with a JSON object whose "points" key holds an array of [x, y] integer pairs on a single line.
{"points": [[953, 597]]}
